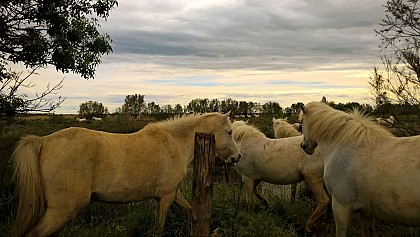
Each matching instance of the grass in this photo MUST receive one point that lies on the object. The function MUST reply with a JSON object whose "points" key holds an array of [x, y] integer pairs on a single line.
{"points": [[229, 213]]}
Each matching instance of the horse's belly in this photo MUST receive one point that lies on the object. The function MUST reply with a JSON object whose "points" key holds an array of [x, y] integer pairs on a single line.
{"points": [[122, 194], [407, 216], [281, 177]]}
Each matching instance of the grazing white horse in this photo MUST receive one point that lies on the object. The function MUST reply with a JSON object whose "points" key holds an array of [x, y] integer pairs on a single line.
{"points": [[386, 122], [81, 120], [59, 174], [277, 161], [97, 119], [366, 168]]}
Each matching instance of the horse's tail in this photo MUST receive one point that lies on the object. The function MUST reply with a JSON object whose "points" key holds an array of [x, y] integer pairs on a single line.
{"points": [[31, 201]]}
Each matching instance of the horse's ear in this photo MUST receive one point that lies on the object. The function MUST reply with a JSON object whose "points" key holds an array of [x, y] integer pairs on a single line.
{"points": [[324, 100], [247, 121], [302, 108], [285, 119], [227, 114], [274, 119]]}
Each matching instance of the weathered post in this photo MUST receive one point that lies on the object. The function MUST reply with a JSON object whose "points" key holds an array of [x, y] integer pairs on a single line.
{"points": [[204, 163]]}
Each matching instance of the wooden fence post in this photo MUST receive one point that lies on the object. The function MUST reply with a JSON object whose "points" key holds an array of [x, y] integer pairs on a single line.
{"points": [[204, 163]]}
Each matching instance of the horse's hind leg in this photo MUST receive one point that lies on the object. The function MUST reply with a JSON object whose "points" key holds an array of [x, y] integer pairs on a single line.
{"points": [[293, 188], [368, 225], [316, 184], [162, 211], [259, 196], [182, 202], [51, 222], [57, 214]]}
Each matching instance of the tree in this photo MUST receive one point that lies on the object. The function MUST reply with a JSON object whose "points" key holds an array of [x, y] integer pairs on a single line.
{"points": [[272, 108], [178, 109], [199, 105], [153, 108], [243, 108], [59, 33], [40, 33], [399, 82], [167, 109], [91, 109], [12, 103], [133, 105]]}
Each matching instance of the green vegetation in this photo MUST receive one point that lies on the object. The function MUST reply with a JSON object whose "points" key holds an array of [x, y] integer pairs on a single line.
{"points": [[230, 215]]}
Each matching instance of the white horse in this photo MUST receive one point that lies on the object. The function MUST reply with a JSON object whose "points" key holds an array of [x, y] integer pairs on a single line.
{"points": [[59, 174], [97, 119], [277, 161], [366, 168], [385, 122], [283, 129], [81, 120]]}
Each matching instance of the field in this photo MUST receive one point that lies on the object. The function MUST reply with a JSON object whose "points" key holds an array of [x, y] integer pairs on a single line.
{"points": [[230, 215]]}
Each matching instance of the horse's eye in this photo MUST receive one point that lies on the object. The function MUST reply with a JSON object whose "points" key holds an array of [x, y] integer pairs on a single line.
{"points": [[230, 133]]}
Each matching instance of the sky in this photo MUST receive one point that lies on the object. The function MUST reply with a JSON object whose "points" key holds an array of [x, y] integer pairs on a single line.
{"points": [[285, 51]]}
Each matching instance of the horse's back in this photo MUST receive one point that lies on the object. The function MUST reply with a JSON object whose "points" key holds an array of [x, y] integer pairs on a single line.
{"points": [[276, 161]]}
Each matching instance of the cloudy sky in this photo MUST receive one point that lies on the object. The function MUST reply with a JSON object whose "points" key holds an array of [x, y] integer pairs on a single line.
{"points": [[286, 51]]}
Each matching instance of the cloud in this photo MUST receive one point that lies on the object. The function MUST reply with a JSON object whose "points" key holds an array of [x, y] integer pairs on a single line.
{"points": [[253, 50]]}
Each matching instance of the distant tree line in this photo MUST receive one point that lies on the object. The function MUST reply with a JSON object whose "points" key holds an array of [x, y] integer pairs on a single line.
{"points": [[135, 105]]}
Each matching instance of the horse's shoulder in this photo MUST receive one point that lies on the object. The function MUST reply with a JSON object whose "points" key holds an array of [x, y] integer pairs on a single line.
{"points": [[155, 130]]}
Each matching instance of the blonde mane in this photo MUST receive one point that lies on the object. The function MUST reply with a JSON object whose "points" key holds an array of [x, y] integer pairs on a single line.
{"points": [[283, 129], [328, 124], [242, 130], [184, 120]]}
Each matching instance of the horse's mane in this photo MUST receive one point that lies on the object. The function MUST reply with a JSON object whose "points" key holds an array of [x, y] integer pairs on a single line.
{"points": [[284, 129], [333, 125], [242, 130], [186, 120]]}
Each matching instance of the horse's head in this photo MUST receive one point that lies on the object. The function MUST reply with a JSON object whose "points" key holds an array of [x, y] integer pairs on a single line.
{"points": [[309, 143], [278, 122], [225, 145]]}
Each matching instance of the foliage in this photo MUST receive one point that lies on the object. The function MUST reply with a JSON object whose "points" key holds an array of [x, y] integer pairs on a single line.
{"points": [[272, 108], [40, 33], [133, 105], [91, 109], [366, 108], [59, 33], [399, 82], [294, 109]]}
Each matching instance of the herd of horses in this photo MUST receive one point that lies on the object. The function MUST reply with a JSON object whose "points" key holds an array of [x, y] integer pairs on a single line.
{"points": [[346, 159]]}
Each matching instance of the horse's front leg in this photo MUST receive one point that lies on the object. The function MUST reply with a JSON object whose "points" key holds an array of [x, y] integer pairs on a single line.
{"points": [[162, 211], [249, 192], [342, 214]]}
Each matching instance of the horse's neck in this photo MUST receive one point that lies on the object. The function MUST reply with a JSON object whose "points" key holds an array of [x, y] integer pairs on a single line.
{"points": [[184, 135]]}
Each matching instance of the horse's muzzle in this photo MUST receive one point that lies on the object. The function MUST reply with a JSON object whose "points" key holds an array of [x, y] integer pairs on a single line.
{"points": [[305, 148], [234, 159]]}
